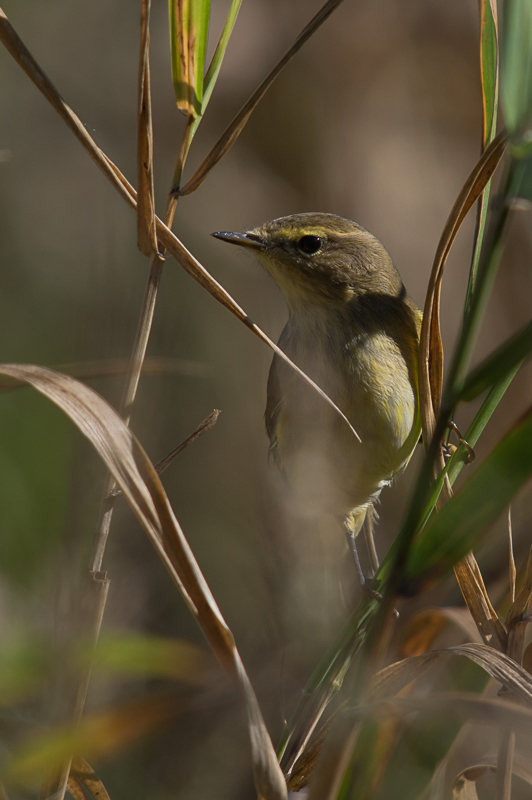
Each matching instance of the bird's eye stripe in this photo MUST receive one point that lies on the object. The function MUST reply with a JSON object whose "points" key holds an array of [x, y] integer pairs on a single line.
{"points": [[310, 244]]}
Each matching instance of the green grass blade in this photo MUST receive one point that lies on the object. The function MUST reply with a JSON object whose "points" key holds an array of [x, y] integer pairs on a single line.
{"points": [[430, 360], [498, 364], [323, 683], [489, 78], [480, 421], [489, 69], [455, 530], [214, 67], [517, 63], [189, 31], [485, 278]]}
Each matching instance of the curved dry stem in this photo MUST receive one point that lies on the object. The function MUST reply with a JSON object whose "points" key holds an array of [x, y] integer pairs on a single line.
{"points": [[430, 346]]}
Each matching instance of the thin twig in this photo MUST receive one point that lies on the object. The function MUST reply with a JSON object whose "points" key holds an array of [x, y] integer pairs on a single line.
{"points": [[147, 238], [208, 423], [137, 359]]}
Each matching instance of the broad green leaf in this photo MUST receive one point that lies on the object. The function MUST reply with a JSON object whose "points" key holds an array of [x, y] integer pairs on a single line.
{"points": [[189, 30], [453, 532], [517, 63]]}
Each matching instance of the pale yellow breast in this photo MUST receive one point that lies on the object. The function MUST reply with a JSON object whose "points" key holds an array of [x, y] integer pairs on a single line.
{"points": [[370, 380]]}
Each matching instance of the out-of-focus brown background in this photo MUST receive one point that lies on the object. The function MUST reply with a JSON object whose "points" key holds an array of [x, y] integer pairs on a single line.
{"points": [[377, 119]]}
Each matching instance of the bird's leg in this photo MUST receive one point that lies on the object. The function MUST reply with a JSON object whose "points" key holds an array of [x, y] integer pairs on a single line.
{"points": [[368, 531], [353, 523], [351, 529]]}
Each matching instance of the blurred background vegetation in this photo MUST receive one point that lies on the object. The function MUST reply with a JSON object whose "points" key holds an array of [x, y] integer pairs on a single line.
{"points": [[376, 119]]}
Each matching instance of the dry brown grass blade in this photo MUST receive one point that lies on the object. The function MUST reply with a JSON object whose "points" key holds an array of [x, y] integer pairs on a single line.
{"points": [[393, 679], [430, 346], [233, 131], [306, 763], [125, 459], [523, 597], [147, 239], [462, 704], [84, 774], [515, 623], [23, 57], [75, 789], [472, 773], [477, 600]]}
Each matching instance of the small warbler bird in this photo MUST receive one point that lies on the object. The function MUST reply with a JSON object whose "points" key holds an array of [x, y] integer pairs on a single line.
{"points": [[354, 330]]}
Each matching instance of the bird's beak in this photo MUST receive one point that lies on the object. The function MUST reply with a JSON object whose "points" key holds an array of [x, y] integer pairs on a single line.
{"points": [[243, 239]]}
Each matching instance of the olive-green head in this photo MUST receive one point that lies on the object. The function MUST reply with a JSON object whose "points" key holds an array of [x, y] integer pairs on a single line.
{"points": [[320, 257]]}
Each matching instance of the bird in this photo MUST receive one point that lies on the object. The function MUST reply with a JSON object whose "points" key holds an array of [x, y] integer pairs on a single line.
{"points": [[354, 330]]}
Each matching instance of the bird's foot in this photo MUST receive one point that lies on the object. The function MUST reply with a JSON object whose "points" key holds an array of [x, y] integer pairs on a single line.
{"points": [[450, 449]]}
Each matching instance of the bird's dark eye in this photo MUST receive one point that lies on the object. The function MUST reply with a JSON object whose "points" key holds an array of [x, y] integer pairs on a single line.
{"points": [[310, 244]]}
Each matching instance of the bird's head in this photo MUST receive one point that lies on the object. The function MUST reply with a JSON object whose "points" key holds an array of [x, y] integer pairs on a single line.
{"points": [[320, 258]]}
